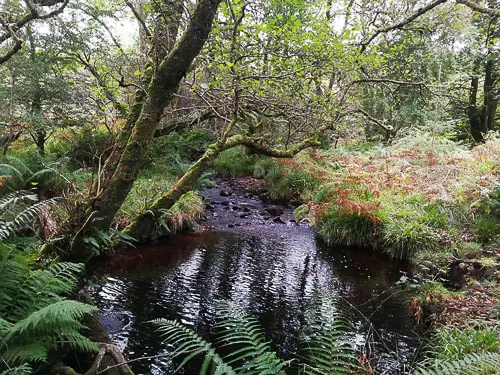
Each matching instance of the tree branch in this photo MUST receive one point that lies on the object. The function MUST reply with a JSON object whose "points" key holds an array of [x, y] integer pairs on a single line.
{"points": [[139, 18], [406, 21], [179, 123], [477, 8], [386, 128], [33, 15], [15, 48]]}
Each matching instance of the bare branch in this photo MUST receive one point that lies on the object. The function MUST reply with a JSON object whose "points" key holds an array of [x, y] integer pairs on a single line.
{"points": [[139, 18], [33, 15], [477, 8], [406, 21], [388, 129]]}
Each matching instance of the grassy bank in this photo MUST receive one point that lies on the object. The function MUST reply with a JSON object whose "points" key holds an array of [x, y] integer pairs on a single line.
{"points": [[424, 199]]}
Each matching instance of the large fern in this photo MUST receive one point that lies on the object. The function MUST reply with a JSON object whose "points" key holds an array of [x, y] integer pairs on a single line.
{"points": [[241, 338], [16, 175], [20, 210], [35, 316], [487, 363]]}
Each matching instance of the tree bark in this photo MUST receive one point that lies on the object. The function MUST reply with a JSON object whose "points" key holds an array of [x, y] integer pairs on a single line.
{"points": [[164, 83], [474, 112]]}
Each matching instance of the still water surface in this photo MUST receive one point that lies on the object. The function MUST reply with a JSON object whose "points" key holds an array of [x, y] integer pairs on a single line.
{"points": [[272, 271]]}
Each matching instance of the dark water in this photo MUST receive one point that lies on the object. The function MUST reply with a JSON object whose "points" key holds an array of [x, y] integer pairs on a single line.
{"points": [[272, 270]]}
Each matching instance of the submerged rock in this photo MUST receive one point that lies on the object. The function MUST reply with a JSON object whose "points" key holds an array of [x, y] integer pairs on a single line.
{"points": [[279, 220], [225, 193]]}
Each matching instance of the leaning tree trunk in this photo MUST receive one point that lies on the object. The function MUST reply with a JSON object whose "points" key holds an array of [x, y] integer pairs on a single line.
{"points": [[164, 83], [162, 42]]}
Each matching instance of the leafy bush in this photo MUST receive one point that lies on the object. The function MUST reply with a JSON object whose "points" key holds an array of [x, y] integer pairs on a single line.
{"points": [[356, 229], [177, 151], [456, 343], [184, 214], [84, 148], [487, 229], [474, 350], [414, 225]]}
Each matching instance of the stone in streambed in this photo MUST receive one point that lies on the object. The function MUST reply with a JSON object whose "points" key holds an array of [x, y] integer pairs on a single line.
{"points": [[225, 193], [274, 211], [279, 220]]}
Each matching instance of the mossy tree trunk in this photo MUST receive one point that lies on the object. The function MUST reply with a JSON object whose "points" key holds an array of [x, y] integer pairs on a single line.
{"points": [[145, 115]]}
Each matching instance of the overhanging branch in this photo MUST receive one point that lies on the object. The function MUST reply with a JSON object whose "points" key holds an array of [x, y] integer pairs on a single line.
{"points": [[477, 8]]}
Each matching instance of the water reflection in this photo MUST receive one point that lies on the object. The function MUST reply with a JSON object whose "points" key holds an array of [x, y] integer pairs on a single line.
{"points": [[273, 274]]}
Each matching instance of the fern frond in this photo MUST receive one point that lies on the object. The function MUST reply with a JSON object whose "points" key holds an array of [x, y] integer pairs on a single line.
{"points": [[325, 338], [56, 317], [487, 363], [24, 369], [188, 344], [26, 218], [243, 333], [27, 291], [13, 198], [30, 352]]}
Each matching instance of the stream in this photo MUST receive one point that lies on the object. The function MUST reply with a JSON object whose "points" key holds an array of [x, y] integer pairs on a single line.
{"points": [[254, 254]]}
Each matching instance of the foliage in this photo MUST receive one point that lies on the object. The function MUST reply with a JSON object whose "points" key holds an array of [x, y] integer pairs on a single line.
{"points": [[472, 350], [178, 150], [235, 162], [288, 181], [50, 179], [36, 319], [244, 348], [471, 364], [455, 343], [83, 147], [20, 211], [184, 214], [395, 199]]}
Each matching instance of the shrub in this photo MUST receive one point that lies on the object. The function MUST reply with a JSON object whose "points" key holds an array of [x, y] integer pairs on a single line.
{"points": [[88, 147], [235, 161], [177, 151], [487, 229], [291, 182], [455, 343], [414, 225], [355, 229], [184, 214]]}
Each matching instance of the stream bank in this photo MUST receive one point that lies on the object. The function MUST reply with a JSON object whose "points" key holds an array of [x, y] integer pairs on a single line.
{"points": [[254, 254]]}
